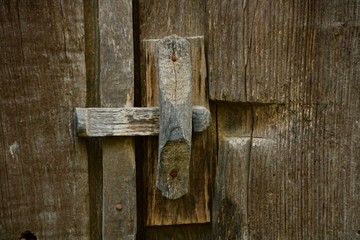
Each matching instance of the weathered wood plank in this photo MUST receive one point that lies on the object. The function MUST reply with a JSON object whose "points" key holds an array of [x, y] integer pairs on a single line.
{"points": [[194, 207], [226, 61], [299, 155], [43, 166], [239, 149], [160, 19], [95, 169], [232, 170], [180, 232], [116, 90], [175, 110], [334, 127], [262, 57], [101, 122]]}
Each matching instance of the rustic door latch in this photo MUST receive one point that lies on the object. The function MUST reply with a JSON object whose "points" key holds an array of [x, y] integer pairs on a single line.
{"points": [[174, 120]]}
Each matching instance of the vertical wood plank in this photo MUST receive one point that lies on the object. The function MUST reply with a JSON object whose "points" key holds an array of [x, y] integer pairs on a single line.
{"points": [[175, 115], [231, 191], [43, 166], [296, 138], [226, 62], [159, 19], [338, 70], [116, 90], [261, 56], [92, 95]]}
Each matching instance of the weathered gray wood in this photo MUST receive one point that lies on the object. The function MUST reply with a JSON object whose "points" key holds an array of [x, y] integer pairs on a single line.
{"points": [[43, 166], [101, 122], [175, 112], [116, 88], [201, 119], [193, 207]]}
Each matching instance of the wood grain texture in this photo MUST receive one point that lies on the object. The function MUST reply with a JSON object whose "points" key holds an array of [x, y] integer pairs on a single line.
{"points": [[293, 149], [194, 206], [43, 166], [247, 152], [116, 90], [261, 56], [95, 169], [175, 109], [100, 122], [180, 232], [159, 19]]}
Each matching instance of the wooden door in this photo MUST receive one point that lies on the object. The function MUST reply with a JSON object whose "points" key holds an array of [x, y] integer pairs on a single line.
{"points": [[280, 161]]}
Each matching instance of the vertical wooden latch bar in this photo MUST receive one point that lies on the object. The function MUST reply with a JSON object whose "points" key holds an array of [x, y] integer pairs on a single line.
{"points": [[175, 110]]}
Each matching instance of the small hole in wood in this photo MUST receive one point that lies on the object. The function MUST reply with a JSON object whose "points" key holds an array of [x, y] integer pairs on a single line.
{"points": [[173, 173], [358, 232]]}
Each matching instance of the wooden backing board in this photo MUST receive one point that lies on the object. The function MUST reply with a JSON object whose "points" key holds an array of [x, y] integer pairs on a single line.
{"points": [[194, 206]]}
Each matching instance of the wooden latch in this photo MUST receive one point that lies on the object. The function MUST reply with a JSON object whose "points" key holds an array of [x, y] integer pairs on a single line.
{"points": [[174, 120]]}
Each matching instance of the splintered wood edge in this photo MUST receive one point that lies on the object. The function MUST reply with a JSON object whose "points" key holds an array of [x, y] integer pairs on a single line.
{"points": [[101, 122]]}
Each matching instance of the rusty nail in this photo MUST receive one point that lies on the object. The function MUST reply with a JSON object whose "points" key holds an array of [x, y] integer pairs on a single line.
{"points": [[118, 206], [173, 173]]}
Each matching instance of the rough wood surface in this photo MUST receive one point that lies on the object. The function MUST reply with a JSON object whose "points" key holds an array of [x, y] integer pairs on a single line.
{"points": [[159, 19], [95, 170], [262, 56], [244, 153], [43, 166], [194, 207], [116, 90], [293, 150], [175, 109], [180, 232], [100, 122]]}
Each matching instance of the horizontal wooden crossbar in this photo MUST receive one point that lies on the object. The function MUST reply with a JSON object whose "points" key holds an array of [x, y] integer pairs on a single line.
{"points": [[101, 122]]}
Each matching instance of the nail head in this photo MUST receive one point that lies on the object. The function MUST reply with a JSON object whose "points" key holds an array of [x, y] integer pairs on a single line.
{"points": [[118, 206]]}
